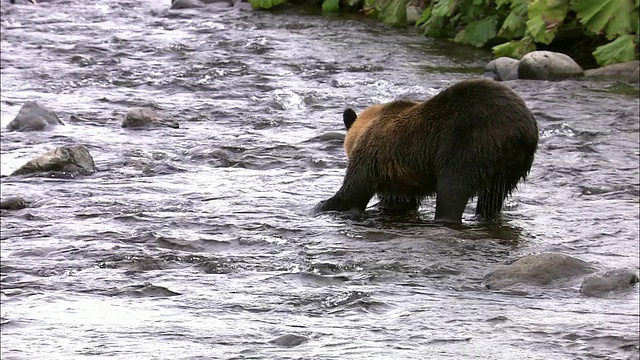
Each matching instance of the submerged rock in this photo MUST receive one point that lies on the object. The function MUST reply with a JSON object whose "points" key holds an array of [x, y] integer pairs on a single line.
{"points": [[604, 283], [145, 118], [33, 116], [548, 65], [537, 269], [289, 340], [624, 71], [13, 203], [68, 159], [188, 4], [502, 69]]}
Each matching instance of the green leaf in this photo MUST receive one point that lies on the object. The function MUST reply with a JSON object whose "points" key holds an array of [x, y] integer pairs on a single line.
{"points": [[426, 14], [520, 7], [611, 17], [434, 27], [331, 6], [500, 3], [265, 4], [353, 2], [545, 17], [513, 26], [475, 10], [619, 50], [477, 33], [394, 12], [515, 49], [517, 6], [444, 7]]}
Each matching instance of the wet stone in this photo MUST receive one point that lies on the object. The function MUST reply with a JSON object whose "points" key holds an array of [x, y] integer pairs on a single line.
{"points": [[146, 118], [13, 203], [604, 283], [33, 116], [548, 65], [289, 340], [537, 269], [74, 159], [502, 69]]}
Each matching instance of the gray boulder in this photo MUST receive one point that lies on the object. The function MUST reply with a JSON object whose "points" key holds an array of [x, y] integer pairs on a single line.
{"points": [[624, 71], [604, 283], [74, 159], [414, 11], [502, 69], [548, 65], [138, 118], [32, 117], [538, 269], [189, 4], [13, 203], [289, 340]]}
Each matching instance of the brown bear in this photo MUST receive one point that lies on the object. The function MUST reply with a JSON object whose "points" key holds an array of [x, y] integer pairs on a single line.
{"points": [[476, 138]]}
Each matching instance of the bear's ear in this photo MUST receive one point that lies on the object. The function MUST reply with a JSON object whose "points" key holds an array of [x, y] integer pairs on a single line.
{"points": [[349, 116]]}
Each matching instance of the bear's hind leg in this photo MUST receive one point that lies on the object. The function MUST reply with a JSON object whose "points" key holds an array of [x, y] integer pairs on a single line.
{"points": [[490, 201], [397, 206], [451, 199]]}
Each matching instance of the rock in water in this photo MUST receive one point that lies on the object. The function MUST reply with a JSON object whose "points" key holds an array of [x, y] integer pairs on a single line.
{"points": [[548, 65], [604, 283], [502, 69], [188, 4], [623, 71], [32, 117], [538, 269], [70, 159], [145, 118], [13, 203], [289, 340]]}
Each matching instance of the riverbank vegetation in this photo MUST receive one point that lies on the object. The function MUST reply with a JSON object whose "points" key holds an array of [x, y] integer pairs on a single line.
{"points": [[606, 30]]}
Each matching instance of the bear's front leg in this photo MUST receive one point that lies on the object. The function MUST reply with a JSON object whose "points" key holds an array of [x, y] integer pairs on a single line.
{"points": [[355, 193]]}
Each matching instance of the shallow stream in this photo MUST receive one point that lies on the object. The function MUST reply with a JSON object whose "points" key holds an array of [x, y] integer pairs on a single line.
{"points": [[198, 242]]}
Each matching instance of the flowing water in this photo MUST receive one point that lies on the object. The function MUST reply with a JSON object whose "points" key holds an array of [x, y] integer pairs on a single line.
{"points": [[198, 242]]}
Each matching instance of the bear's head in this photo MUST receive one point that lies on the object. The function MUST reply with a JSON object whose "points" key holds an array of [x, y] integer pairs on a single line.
{"points": [[357, 125]]}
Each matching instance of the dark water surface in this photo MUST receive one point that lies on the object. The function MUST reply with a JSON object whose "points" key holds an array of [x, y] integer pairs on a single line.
{"points": [[197, 242]]}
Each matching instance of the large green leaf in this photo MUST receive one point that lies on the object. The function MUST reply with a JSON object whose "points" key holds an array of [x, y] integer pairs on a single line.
{"points": [[513, 26], [501, 3], [611, 17], [331, 5], [517, 6], [619, 50], [520, 7], [545, 17], [265, 4], [394, 13], [444, 7], [477, 33], [426, 14], [515, 49], [472, 10], [435, 26]]}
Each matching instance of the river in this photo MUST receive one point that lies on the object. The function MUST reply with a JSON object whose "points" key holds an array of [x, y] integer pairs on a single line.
{"points": [[199, 243]]}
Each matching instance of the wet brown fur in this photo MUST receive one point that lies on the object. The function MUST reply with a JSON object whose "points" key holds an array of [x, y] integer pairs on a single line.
{"points": [[476, 138]]}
